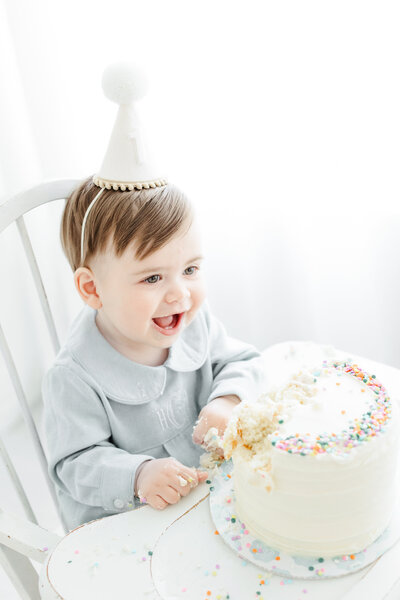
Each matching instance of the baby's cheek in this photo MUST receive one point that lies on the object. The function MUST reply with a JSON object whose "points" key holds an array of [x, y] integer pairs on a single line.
{"points": [[192, 312], [189, 317]]}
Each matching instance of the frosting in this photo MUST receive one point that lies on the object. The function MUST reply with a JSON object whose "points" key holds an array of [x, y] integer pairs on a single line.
{"points": [[315, 461], [214, 448], [348, 419]]}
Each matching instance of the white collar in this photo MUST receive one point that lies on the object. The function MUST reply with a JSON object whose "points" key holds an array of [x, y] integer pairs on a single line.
{"points": [[121, 378]]}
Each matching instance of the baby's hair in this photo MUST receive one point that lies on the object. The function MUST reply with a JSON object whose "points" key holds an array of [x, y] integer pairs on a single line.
{"points": [[150, 217]]}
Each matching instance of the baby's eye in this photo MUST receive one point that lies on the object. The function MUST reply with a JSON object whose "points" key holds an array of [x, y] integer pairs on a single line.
{"points": [[191, 270], [152, 279]]}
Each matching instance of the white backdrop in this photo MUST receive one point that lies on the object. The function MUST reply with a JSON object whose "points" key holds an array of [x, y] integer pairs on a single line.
{"points": [[279, 119]]}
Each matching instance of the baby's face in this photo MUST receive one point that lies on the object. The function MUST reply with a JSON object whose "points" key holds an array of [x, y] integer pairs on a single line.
{"points": [[145, 304]]}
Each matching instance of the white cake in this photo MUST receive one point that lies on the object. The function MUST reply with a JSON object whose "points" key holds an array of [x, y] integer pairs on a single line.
{"points": [[315, 462]]}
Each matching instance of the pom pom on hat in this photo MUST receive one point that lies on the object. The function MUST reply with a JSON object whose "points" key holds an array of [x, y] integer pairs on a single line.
{"points": [[124, 83]]}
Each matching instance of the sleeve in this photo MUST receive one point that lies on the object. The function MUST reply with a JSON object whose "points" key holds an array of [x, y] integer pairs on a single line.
{"points": [[82, 459], [238, 368]]}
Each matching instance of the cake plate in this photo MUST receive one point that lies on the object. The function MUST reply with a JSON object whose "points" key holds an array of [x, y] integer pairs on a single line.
{"points": [[250, 548]]}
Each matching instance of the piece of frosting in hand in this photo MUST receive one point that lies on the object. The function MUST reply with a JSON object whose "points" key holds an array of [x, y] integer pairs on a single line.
{"points": [[213, 445], [212, 441]]}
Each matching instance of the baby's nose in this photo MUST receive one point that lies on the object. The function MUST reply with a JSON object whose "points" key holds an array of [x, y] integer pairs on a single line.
{"points": [[177, 293]]}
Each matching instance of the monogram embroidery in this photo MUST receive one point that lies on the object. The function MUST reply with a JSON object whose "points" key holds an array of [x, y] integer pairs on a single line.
{"points": [[173, 411]]}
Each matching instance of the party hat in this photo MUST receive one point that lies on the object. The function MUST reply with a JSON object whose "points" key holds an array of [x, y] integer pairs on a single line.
{"points": [[128, 163]]}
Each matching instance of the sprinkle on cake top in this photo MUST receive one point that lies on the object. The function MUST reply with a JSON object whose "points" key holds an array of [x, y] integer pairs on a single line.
{"points": [[259, 426], [359, 430]]}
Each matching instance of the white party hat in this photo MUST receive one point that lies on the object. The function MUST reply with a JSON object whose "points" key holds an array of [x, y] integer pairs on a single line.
{"points": [[128, 163]]}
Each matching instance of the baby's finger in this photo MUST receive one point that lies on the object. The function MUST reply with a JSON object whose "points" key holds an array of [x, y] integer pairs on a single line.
{"points": [[171, 495], [189, 475], [185, 485], [157, 502], [198, 435], [202, 475], [200, 430]]}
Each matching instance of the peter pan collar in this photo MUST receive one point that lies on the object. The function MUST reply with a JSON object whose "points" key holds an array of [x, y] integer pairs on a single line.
{"points": [[120, 378]]}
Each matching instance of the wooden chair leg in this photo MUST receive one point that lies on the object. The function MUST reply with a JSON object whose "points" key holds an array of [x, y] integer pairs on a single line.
{"points": [[21, 573]]}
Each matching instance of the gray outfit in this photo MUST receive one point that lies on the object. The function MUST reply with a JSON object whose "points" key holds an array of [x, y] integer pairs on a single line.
{"points": [[105, 414]]}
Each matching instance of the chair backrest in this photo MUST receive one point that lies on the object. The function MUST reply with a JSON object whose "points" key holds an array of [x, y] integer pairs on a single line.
{"points": [[12, 211]]}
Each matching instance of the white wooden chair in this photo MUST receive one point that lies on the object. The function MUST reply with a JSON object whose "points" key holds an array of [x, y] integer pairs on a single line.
{"points": [[20, 542]]}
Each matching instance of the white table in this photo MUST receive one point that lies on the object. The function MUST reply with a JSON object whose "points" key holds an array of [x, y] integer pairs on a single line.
{"points": [[175, 553]]}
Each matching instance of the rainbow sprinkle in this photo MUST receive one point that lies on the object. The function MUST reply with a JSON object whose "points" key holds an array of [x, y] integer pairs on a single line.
{"points": [[360, 430]]}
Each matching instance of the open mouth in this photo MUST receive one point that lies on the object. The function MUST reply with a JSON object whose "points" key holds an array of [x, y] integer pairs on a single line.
{"points": [[168, 325]]}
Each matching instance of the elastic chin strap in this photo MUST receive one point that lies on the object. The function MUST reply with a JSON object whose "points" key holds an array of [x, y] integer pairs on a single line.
{"points": [[89, 208]]}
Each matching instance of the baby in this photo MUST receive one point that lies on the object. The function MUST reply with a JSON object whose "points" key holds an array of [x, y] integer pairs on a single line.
{"points": [[146, 370]]}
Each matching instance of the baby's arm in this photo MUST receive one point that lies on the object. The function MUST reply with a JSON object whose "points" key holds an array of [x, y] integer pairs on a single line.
{"points": [[238, 374], [88, 466]]}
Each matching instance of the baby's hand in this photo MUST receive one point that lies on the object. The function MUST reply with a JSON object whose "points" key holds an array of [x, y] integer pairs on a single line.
{"points": [[215, 414], [164, 480]]}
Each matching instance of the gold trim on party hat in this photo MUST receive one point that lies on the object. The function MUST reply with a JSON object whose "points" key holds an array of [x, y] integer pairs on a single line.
{"points": [[125, 185]]}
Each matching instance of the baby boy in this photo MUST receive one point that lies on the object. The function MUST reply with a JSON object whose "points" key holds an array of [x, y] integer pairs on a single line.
{"points": [[146, 370]]}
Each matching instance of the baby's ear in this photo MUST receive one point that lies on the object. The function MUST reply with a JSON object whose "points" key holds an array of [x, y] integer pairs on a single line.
{"points": [[86, 287]]}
